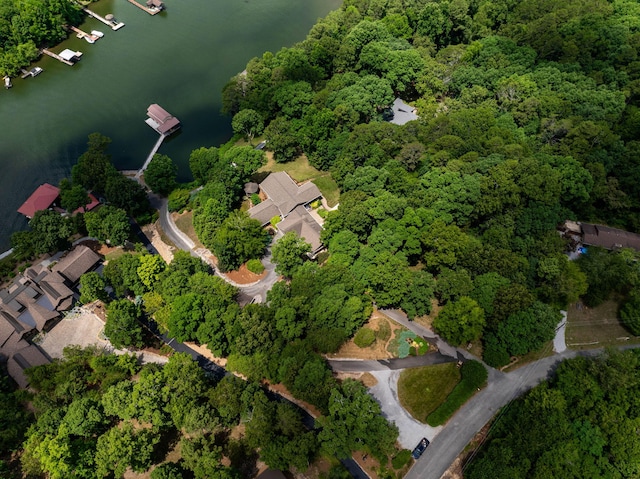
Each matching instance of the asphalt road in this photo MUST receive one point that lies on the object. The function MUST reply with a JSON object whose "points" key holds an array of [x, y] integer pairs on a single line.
{"points": [[357, 366]]}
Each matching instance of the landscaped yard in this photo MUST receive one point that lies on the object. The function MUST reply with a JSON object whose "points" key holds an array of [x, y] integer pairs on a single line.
{"points": [[596, 327], [300, 170], [422, 390]]}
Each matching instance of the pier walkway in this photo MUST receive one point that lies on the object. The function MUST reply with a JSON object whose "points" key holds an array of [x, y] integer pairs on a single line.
{"points": [[150, 157], [82, 34], [56, 56], [112, 25], [150, 11]]}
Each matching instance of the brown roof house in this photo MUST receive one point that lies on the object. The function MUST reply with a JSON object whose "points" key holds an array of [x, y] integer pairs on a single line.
{"points": [[43, 198], [609, 238], [33, 303], [161, 120], [290, 202]]}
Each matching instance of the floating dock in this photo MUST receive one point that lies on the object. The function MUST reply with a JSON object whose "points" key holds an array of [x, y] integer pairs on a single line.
{"points": [[111, 24], [150, 11], [56, 56], [81, 34]]}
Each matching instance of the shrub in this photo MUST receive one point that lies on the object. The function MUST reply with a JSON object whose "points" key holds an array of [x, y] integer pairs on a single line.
{"points": [[630, 314], [401, 459], [275, 220], [322, 213], [384, 331], [315, 204], [422, 348], [474, 376], [255, 199], [364, 337], [404, 343], [255, 266], [178, 199]]}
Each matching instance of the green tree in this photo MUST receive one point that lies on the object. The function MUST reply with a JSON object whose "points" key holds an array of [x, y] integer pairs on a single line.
{"points": [[94, 166], [238, 239], [92, 287], [122, 447], [289, 253], [122, 326], [109, 224], [460, 321], [72, 197], [160, 174], [150, 269], [249, 123], [355, 423], [51, 231]]}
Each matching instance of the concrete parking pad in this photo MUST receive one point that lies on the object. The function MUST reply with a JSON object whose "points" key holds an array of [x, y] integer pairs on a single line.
{"points": [[81, 328]]}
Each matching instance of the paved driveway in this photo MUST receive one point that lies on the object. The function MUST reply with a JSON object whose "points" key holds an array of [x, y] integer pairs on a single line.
{"points": [[386, 393]]}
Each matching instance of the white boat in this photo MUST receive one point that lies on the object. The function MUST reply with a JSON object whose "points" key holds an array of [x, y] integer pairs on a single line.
{"points": [[97, 33], [35, 71], [7, 82], [89, 40]]}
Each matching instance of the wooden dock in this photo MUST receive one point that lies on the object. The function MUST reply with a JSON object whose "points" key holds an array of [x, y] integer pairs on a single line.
{"points": [[82, 34], [112, 25], [56, 56], [150, 157], [150, 11]]}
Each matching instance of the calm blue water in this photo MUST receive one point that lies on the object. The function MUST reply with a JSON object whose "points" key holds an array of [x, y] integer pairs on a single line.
{"points": [[179, 59]]}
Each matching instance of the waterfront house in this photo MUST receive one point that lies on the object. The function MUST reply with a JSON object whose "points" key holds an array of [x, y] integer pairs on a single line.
{"points": [[155, 4], [47, 196], [290, 202], [161, 120]]}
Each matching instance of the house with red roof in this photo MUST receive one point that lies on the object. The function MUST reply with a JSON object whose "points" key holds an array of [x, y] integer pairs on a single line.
{"points": [[45, 197], [48, 196]]}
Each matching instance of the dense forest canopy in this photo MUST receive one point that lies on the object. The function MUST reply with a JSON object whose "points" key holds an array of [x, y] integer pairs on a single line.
{"points": [[583, 423], [26, 25]]}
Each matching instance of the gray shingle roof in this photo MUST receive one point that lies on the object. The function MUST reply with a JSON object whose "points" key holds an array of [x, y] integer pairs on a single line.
{"points": [[301, 222], [76, 263], [286, 194]]}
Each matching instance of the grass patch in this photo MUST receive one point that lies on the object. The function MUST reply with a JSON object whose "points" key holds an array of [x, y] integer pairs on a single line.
{"points": [[474, 376], [329, 189], [596, 327], [184, 222], [422, 390], [298, 169], [115, 254]]}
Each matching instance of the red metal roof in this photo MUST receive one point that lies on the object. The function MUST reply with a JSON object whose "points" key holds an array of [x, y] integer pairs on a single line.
{"points": [[41, 199], [93, 202]]}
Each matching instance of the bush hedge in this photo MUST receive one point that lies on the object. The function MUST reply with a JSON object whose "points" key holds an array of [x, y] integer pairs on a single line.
{"points": [[384, 331], [474, 376], [255, 266], [401, 459], [364, 337]]}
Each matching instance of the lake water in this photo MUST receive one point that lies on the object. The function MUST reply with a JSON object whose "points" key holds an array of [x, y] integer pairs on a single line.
{"points": [[180, 59]]}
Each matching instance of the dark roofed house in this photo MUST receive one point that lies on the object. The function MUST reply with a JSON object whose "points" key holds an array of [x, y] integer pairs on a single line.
{"points": [[33, 303], [161, 120], [27, 356], [76, 263], [44, 197], [609, 238], [288, 200]]}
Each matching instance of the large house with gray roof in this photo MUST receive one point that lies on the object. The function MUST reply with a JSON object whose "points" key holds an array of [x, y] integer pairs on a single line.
{"points": [[33, 303], [289, 201]]}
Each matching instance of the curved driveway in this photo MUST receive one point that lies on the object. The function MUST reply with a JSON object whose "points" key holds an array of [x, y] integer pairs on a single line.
{"points": [[256, 292]]}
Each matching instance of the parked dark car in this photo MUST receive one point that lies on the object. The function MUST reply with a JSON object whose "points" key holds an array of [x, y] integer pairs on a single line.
{"points": [[419, 449]]}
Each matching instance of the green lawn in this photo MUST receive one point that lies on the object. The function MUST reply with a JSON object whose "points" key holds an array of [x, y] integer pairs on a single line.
{"points": [[329, 189], [422, 390]]}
